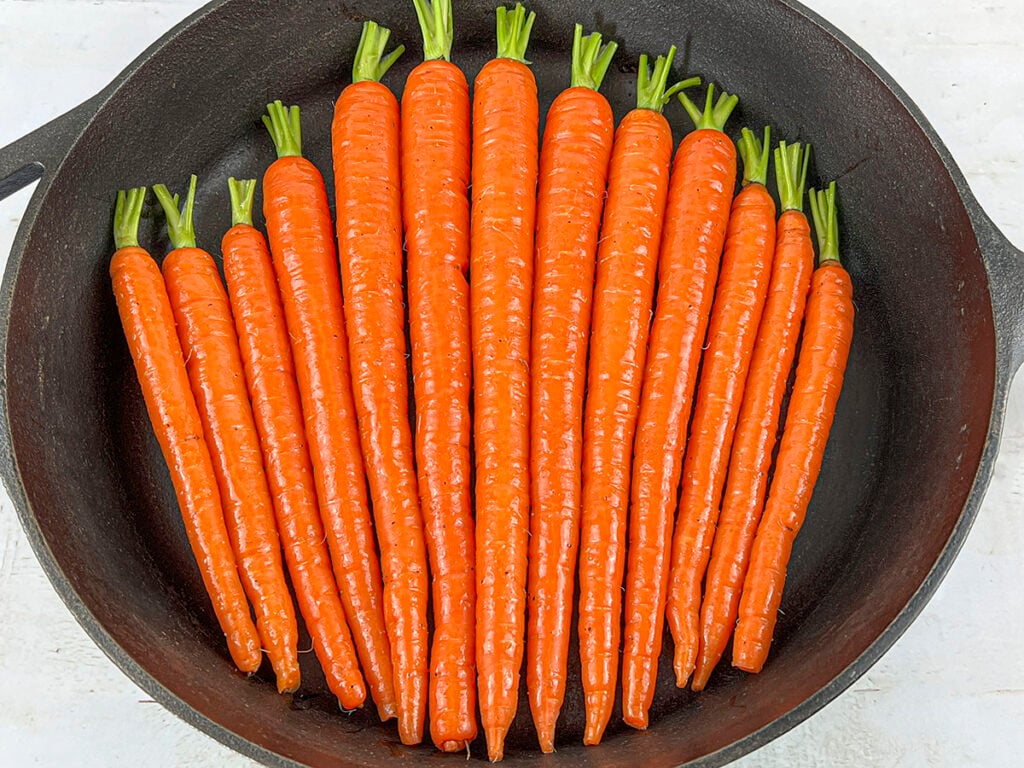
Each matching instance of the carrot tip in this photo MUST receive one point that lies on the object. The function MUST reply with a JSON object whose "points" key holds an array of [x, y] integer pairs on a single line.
{"points": [[495, 743], [453, 746], [546, 740], [636, 720], [386, 711]]}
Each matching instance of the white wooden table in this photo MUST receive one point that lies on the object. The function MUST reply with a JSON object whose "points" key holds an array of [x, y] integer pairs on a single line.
{"points": [[950, 693]]}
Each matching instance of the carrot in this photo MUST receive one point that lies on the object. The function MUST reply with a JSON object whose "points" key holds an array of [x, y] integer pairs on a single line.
{"points": [[367, 187], [504, 175], [270, 375], [574, 161], [207, 334], [627, 258], [148, 323], [756, 429], [824, 350], [435, 201], [302, 247]]}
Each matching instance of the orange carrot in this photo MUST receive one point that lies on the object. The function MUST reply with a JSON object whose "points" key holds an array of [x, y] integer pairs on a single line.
{"points": [[367, 187], [739, 302], [574, 161], [270, 374], [435, 200], [207, 334], [302, 246], [824, 350], [148, 323], [504, 174], [758, 422]]}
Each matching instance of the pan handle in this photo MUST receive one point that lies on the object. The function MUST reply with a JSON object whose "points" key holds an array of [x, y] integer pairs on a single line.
{"points": [[25, 160], [1005, 265]]}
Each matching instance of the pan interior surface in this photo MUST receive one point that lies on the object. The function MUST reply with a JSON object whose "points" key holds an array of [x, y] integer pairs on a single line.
{"points": [[904, 451]]}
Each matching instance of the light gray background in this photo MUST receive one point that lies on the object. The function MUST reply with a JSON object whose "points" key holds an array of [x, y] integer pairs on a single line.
{"points": [[950, 693]]}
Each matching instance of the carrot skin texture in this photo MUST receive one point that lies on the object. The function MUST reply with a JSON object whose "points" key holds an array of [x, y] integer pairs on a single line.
{"points": [[207, 333], [148, 322], [366, 143], [270, 373], [754, 442], [824, 350], [575, 155], [504, 176], [302, 246], [739, 303], [435, 197], [627, 258]]}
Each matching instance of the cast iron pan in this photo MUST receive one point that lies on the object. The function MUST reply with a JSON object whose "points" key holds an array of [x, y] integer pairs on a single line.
{"points": [[939, 334]]}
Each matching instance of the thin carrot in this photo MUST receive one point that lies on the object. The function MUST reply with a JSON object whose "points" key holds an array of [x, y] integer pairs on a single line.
{"points": [[367, 187], [148, 323], [757, 427], [824, 350], [270, 374], [575, 154], [302, 247], [504, 174], [618, 394], [435, 200], [207, 334]]}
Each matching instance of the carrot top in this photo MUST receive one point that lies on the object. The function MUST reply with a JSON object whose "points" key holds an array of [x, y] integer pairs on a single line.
{"points": [[514, 32], [436, 23], [651, 91], [370, 62], [826, 223], [242, 193], [755, 154], [285, 129], [180, 228], [715, 114], [590, 59], [127, 212], [791, 174]]}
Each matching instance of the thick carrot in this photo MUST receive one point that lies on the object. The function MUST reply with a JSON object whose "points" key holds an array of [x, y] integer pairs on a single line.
{"points": [[270, 374], [824, 350], [758, 423], [575, 153], [367, 188], [504, 174], [148, 323], [207, 334], [435, 202], [302, 247]]}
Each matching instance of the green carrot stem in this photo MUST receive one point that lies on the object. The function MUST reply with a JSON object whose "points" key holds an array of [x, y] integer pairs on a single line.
{"points": [[370, 63], [826, 223], [651, 90], [180, 228], [242, 194], [714, 115], [755, 154], [791, 162], [514, 32], [285, 129], [127, 212], [435, 18], [590, 59]]}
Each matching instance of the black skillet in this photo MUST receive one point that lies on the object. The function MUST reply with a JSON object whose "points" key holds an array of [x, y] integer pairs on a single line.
{"points": [[939, 335]]}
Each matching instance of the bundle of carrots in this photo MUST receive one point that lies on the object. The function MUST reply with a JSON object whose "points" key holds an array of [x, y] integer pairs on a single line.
{"points": [[607, 333]]}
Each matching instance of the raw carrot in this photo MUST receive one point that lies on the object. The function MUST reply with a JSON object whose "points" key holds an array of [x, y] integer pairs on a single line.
{"points": [[270, 374], [207, 334], [739, 302], [435, 202], [758, 423], [367, 188], [824, 350], [575, 153], [504, 176], [627, 260], [148, 323], [302, 247]]}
